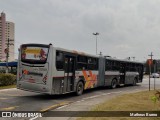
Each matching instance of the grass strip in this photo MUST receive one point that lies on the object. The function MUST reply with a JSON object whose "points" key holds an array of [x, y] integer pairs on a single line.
{"points": [[140, 101]]}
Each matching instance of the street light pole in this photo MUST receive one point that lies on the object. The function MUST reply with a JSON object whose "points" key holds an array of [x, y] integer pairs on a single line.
{"points": [[154, 63], [96, 40]]}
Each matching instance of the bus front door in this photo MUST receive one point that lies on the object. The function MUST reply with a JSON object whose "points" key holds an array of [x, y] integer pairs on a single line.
{"points": [[69, 74]]}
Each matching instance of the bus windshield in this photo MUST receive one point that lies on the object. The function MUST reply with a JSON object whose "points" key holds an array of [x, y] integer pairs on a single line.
{"points": [[36, 54]]}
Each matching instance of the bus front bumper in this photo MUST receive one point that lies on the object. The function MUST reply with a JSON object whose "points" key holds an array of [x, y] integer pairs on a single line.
{"points": [[33, 87]]}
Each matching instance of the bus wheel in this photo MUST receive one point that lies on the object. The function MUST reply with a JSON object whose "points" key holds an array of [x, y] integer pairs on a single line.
{"points": [[79, 88], [134, 82], [113, 83]]}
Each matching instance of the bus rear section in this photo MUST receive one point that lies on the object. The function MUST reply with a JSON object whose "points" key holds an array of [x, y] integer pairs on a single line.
{"points": [[33, 68]]}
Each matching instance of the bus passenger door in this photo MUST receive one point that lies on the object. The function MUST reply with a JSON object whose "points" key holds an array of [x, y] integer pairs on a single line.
{"points": [[69, 73], [122, 73]]}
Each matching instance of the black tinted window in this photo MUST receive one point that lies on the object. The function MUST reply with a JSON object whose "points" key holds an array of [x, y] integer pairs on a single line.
{"points": [[59, 60]]}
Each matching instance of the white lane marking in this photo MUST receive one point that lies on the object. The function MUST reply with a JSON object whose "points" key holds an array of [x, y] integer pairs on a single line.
{"points": [[79, 101], [91, 97], [139, 90], [61, 107], [116, 92], [34, 118], [100, 95], [106, 93]]}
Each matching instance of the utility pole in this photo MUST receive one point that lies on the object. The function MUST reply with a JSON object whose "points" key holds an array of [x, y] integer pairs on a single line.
{"points": [[154, 63], [7, 52], [150, 63]]}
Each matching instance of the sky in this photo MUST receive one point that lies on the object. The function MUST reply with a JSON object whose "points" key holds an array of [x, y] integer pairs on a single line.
{"points": [[127, 28]]}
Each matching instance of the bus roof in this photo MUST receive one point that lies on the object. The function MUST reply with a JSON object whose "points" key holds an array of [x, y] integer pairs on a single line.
{"points": [[86, 54], [110, 58], [75, 52]]}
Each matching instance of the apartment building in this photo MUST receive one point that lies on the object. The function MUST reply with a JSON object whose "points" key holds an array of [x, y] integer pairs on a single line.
{"points": [[6, 33]]}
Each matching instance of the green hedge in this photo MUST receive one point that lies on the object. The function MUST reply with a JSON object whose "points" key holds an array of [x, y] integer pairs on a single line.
{"points": [[7, 79]]}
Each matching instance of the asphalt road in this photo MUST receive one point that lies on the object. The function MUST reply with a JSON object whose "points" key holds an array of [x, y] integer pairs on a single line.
{"points": [[18, 100]]}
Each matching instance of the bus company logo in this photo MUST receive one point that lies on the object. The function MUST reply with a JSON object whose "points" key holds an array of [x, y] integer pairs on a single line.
{"points": [[6, 114], [35, 70], [42, 69]]}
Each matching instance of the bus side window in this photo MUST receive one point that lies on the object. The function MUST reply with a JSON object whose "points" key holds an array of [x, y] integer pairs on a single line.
{"points": [[97, 63], [92, 64], [59, 60], [117, 66], [134, 67], [108, 65], [81, 62], [128, 66]]}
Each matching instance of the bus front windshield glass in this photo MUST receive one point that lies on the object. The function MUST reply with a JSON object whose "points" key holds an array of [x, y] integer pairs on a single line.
{"points": [[34, 54]]}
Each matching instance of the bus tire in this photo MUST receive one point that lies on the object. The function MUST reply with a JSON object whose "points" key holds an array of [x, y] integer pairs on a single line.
{"points": [[134, 81], [114, 83], [79, 88]]}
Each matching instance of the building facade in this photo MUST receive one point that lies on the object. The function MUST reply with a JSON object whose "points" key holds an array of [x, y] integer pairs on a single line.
{"points": [[6, 34]]}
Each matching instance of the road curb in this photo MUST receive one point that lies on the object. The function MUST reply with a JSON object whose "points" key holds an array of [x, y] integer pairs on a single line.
{"points": [[55, 106], [8, 89]]}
